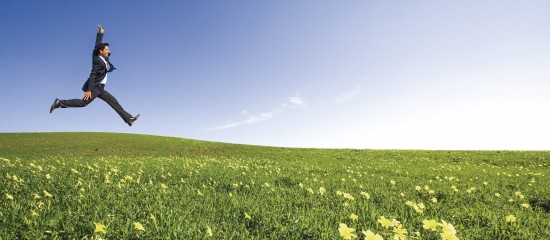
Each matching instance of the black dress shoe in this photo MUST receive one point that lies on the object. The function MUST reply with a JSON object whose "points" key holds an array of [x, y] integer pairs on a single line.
{"points": [[132, 120], [55, 105]]}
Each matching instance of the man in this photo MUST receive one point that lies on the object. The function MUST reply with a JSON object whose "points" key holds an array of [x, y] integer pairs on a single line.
{"points": [[95, 85]]}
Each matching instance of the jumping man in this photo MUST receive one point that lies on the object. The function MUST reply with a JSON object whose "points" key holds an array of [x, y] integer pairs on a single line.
{"points": [[95, 85]]}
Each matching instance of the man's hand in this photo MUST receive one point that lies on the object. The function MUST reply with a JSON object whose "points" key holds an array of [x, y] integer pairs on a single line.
{"points": [[87, 95], [100, 29]]}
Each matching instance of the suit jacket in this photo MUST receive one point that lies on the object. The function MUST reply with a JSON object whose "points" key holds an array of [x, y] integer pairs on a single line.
{"points": [[99, 69]]}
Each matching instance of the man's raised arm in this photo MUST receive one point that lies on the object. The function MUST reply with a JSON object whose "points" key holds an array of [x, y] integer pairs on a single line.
{"points": [[99, 36]]}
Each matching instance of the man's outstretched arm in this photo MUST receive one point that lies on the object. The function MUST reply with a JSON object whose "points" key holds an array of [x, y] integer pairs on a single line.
{"points": [[99, 36]]}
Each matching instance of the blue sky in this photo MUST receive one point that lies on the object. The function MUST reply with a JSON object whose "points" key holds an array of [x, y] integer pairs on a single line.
{"points": [[330, 74]]}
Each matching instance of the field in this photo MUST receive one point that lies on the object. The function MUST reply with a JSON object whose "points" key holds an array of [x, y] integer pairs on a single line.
{"points": [[124, 186]]}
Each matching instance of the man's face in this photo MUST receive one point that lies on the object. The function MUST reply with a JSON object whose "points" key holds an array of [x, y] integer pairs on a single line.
{"points": [[105, 52]]}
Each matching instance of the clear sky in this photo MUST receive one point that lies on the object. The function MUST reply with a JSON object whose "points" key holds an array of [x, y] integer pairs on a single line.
{"points": [[331, 74]]}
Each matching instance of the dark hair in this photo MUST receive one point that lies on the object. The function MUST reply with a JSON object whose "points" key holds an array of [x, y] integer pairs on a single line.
{"points": [[100, 47]]}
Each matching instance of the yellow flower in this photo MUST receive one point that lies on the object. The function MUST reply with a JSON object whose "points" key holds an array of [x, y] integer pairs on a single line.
{"points": [[371, 236], [322, 190], [366, 195], [246, 216], [497, 194], [353, 217], [100, 228], [418, 188], [430, 224], [138, 226], [392, 182], [46, 194], [434, 200], [447, 227], [526, 205], [510, 218], [345, 232], [400, 233], [34, 214], [48, 176], [209, 232], [9, 197], [163, 186], [448, 236], [309, 190], [301, 185], [395, 222], [339, 193], [348, 196], [385, 222]]}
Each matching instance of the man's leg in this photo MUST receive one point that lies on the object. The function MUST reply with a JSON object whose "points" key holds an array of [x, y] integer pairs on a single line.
{"points": [[109, 99], [74, 103]]}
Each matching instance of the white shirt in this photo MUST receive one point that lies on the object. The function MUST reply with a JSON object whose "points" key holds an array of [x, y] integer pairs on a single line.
{"points": [[104, 81]]}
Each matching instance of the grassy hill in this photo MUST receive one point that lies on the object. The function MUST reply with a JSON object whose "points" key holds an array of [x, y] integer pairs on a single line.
{"points": [[91, 144], [109, 144], [127, 186]]}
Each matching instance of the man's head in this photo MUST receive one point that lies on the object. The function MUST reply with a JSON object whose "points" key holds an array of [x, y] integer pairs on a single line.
{"points": [[103, 50]]}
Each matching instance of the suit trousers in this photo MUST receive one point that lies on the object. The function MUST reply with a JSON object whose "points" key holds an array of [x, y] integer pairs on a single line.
{"points": [[98, 91]]}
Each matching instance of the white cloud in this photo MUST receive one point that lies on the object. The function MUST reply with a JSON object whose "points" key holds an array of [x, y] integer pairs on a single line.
{"points": [[255, 118], [296, 101], [292, 103], [349, 95]]}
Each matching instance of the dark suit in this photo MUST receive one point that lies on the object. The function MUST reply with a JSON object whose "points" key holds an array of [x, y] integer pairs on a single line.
{"points": [[99, 69], [98, 73]]}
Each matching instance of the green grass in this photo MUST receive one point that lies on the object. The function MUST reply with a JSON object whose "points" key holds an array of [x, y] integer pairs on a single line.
{"points": [[179, 188]]}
